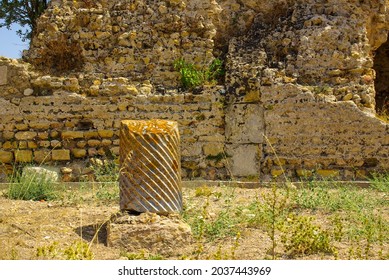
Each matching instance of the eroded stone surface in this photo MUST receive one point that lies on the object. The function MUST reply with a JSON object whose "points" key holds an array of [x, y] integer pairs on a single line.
{"points": [[156, 234], [3, 75]]}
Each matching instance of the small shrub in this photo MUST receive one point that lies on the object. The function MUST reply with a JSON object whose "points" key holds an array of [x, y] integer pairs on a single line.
{"points": [[60, 56], [380, 182], [31, 186], [301, 237], [192, 77], [79, 250], [105, 170], [203, 191]]}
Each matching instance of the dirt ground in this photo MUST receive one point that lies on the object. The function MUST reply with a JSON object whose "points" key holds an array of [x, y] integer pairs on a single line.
{"points": [[30, 227]]}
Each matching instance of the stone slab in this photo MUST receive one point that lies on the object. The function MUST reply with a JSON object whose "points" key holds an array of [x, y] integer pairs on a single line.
{"points": [[245, 123], [157, 234], [244, 161]]}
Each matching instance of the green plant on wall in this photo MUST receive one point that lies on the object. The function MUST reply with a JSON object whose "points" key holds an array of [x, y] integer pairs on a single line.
{"points": [[191, 76]]}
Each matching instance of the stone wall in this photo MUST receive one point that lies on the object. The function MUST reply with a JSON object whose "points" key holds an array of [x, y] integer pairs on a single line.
{"points": [[298, 97], [48, 121]]}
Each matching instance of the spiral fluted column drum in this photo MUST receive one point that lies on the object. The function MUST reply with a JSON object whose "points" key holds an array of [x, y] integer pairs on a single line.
{"points": [[150, 166]]}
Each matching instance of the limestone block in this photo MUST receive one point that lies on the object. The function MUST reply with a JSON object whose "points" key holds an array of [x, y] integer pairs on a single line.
{"points": [[79, 153], [304, 173], [60, 155], [40, 125], [42, 172], [6, 157], [213, 149], [166, 235], [105, 133], [10, 145], [3, 75], [21, 126], [25, 135], [72, 134], [150, 179], [32, 145], [243, 160], [245, 123], [42, 156], [94, 142], [23, 156], [28, 91], [327, 173], [91, 134]]}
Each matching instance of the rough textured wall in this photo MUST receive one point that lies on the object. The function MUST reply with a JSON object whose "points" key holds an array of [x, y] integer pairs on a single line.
{"points": [[300, 84], [311, 72], [137, 39], [47, 120]]}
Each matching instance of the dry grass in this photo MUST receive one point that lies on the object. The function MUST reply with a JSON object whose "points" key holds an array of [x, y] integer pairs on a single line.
{"points": [[227, 223]]}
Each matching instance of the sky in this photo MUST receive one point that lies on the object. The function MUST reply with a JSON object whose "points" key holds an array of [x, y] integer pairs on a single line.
{"points": [[10, 43]]}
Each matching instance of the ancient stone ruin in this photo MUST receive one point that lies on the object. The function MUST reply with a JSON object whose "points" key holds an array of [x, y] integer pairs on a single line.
{"points": [[150, 177], [303, 82]]}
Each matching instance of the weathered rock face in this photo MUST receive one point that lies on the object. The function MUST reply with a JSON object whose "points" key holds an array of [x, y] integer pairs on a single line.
{"points": [[137, 39], [301, 82], [149, 231]]}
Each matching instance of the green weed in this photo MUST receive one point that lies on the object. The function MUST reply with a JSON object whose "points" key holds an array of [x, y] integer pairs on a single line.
{"points": [[78, 250], [380, 182], [29, 185], [301, 237], [191, 76]]}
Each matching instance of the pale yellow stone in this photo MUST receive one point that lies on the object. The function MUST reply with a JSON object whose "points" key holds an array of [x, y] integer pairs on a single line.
{"points": [[105, 133], [41, 156], [25, 135], [6, 157], [23, 156], [60, 155], [94, 143], [3, 75], [22, 145], [277, 172], [43, 135], [8, 135], [213, 149], [72, 134], [328, 173], [32, 145], [81, 144], [44, 144], [21, 126], [40, 125], [106, 142], [348, 97], [304, 172], [79, 153], [91, 134]]}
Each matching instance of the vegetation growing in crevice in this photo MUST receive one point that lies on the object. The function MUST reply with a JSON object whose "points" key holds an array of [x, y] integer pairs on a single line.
{"points": [[191, 76]]}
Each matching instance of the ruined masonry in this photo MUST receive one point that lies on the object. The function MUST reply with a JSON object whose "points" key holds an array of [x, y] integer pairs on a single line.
{"points": [[304, 81]]}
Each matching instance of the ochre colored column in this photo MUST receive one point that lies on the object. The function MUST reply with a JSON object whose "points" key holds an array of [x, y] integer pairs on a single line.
{"points": [[150, 166]]}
